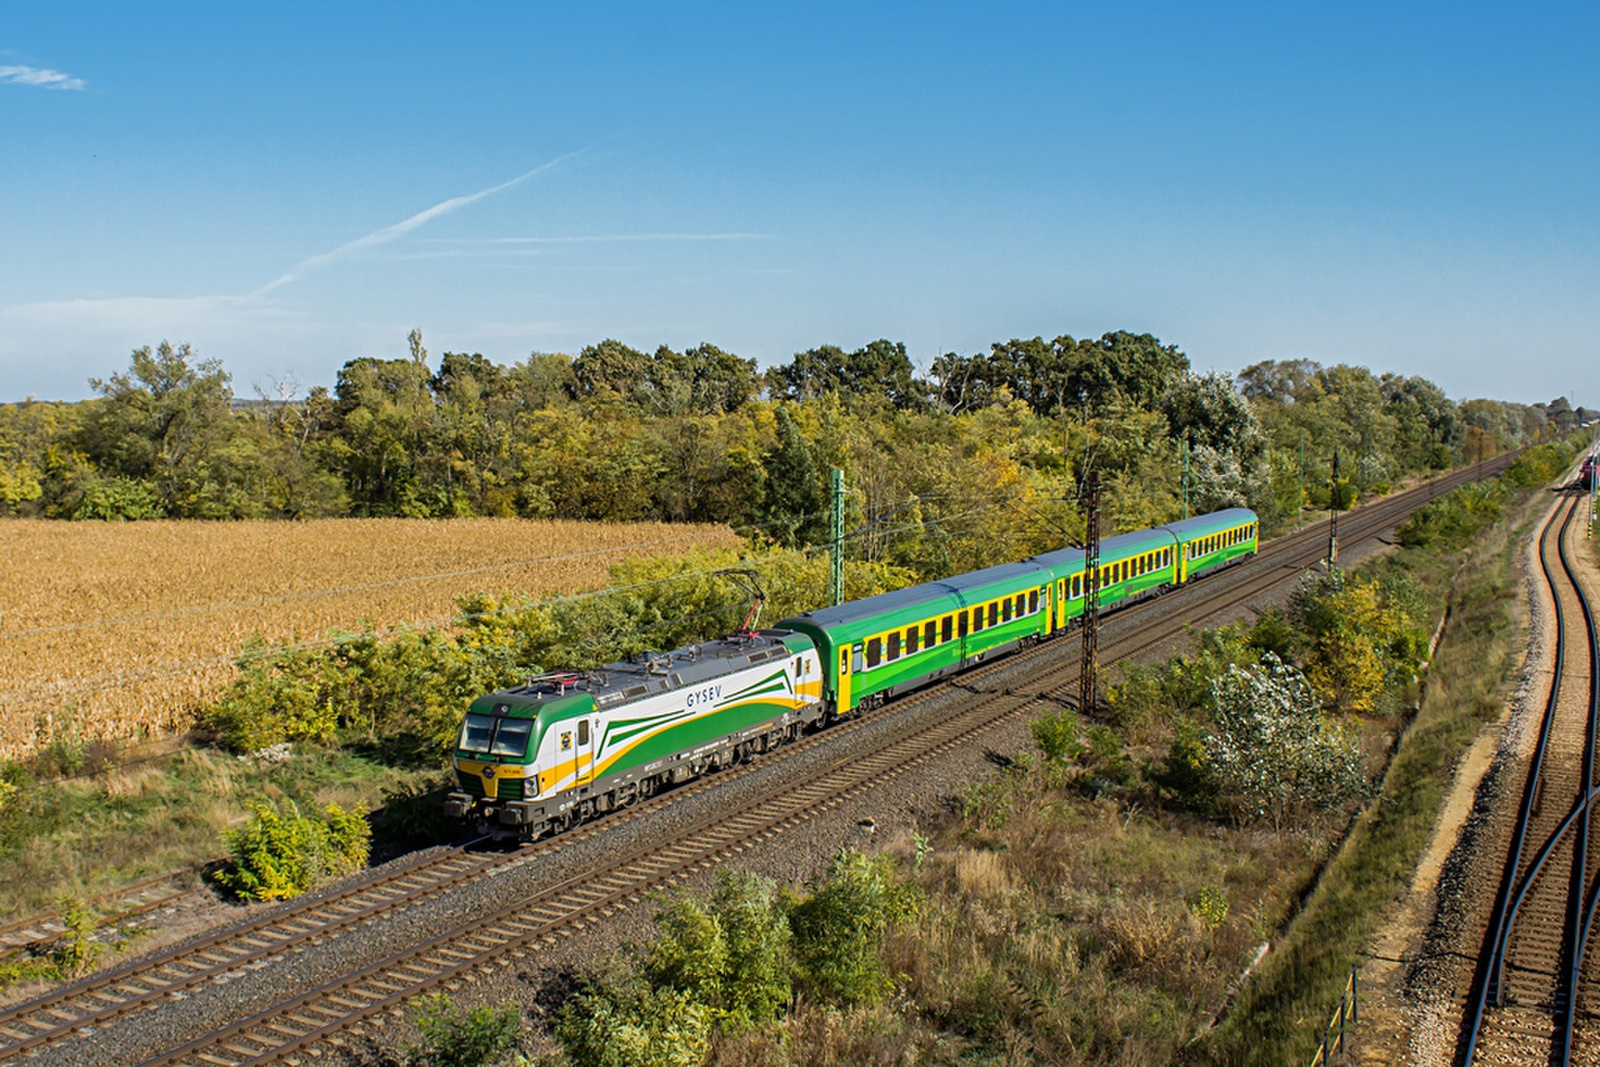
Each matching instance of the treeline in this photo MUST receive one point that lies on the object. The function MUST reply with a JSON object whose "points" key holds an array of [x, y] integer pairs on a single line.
{"points": [[618, 434]]}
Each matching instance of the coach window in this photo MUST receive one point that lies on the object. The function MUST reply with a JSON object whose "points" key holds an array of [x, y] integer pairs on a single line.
{"points": [[977, 619], [994, 613], [874, 652], [944, 629], [961, 622], [894, 645], [583, 731], [1033, 602], [1005, 610], [912, 637]]}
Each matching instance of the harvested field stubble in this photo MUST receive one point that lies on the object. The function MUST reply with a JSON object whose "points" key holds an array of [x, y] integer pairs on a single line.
{"points": [[115, 631]]}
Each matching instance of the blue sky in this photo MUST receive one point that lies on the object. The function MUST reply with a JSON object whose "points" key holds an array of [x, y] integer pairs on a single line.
{"points": [[287, 187]]}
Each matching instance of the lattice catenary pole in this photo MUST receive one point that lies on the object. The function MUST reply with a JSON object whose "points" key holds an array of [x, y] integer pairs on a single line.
{"points": [[1091, 592]]}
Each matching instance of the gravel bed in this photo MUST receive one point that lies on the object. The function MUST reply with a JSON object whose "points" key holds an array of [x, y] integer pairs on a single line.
{"points": [[885, 817]]}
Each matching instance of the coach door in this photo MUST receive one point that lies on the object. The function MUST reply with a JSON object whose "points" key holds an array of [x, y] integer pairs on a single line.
{"points": [[842, 702]]}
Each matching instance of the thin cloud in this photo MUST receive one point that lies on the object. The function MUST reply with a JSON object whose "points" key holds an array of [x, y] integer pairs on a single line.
{"points": [[44, 79], [631, 237], [400, 229]]}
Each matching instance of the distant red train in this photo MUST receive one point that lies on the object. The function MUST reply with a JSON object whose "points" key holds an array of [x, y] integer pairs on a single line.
{"points": [[1587, 472]]}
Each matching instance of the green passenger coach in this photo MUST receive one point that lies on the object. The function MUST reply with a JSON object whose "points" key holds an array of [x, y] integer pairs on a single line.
{"points": [[1211, 541], [888, 644]]}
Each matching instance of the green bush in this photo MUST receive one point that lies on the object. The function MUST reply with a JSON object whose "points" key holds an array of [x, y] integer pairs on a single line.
{"points": [[839, 929], [1540, 464], [1056, 734], [276, 856], [76, 951], [729, 953], [452, 1037], [624, 1021], [1454, 520], [1187, 778]]}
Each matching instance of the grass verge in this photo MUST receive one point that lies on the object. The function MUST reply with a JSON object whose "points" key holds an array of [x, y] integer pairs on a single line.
{"points": [[85, 836], [1278, 1018]]}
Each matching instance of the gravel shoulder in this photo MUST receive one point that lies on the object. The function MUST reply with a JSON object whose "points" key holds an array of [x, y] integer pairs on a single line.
{"points": [[1418, 968]]}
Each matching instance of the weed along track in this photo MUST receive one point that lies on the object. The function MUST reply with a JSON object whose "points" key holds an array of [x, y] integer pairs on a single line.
{"points": [[1533, 987], [304, 1014]]}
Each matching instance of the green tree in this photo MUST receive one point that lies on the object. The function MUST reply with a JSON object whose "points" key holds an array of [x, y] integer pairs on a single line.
{"points": [[609, 369], [387, 446], [163, 421], [703, 380], [794, 510], [879, 369]]}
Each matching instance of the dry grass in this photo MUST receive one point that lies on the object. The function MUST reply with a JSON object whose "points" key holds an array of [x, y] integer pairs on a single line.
{"points": [[119, 631]]}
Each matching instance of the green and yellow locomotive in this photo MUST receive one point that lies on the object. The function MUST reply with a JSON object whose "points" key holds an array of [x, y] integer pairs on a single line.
{"points": [[564, 747]]}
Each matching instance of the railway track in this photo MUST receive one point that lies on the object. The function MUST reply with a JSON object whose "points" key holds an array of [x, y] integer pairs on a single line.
{"points": [[36, 933], [1529, 987], [324, 1014]]}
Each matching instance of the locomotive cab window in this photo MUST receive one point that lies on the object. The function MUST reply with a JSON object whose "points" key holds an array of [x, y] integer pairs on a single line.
{"points": [[494, 736]]}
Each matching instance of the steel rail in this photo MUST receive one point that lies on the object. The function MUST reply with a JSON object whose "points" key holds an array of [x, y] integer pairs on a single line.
{"points": [[1518, 881]]}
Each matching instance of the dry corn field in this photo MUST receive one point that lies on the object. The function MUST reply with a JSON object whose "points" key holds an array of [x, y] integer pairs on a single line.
{"points": [[117, 631]]}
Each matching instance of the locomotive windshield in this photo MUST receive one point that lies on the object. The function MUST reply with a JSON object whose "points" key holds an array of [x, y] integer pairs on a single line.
{"points": [[495, 736]]}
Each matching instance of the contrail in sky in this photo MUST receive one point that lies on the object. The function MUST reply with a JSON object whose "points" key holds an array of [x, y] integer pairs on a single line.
{"points": [[399, 229]]}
